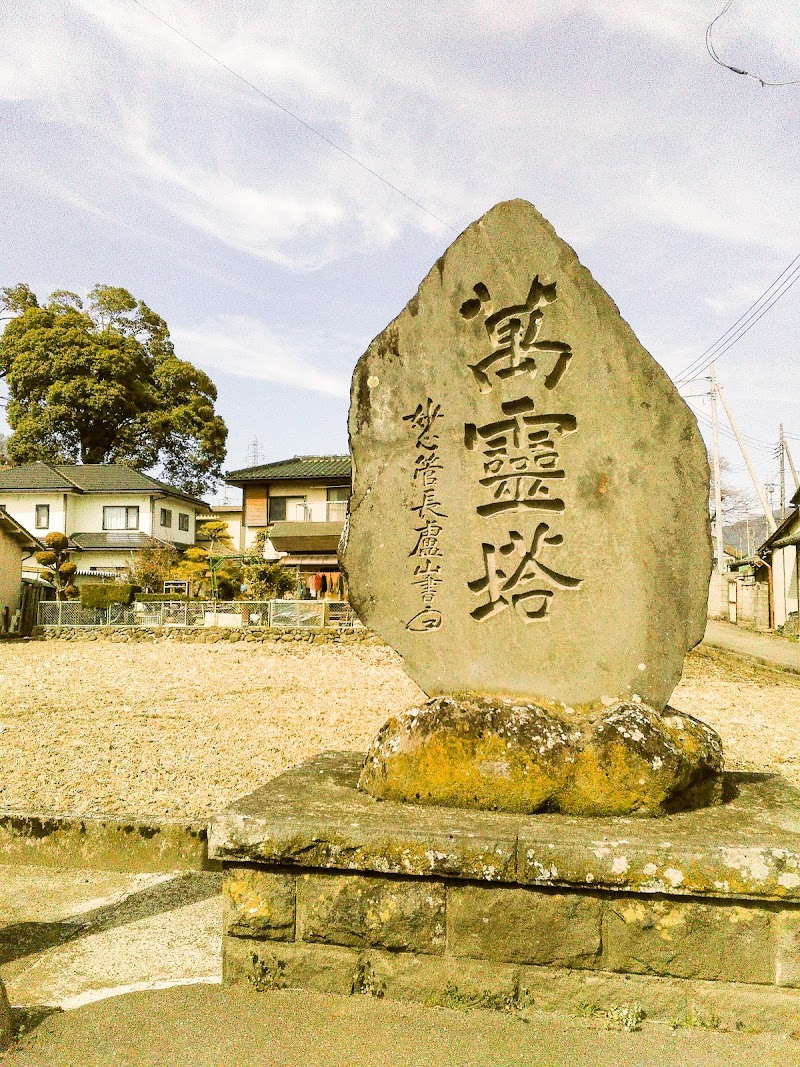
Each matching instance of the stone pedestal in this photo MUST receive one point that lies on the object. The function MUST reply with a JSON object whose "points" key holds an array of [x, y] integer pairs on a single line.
{"points": [[517, 756], [328, 888]]}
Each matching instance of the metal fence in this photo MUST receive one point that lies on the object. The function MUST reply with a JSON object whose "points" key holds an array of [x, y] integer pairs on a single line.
{"points": [[284, 614]]}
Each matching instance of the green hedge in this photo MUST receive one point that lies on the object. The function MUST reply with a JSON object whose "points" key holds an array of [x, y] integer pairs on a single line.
{"points": [[103, 595]]}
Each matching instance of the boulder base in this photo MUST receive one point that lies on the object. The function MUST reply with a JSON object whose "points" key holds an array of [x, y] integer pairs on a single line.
{"points": [[476, 753]]}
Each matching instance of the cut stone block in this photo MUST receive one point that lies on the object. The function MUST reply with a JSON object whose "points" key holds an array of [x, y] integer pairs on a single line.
{"points": [[787, 963], [275, 965], [454, 983], [259, 903], [674, 1001], [354, 910], [689, 939], [524, 925]]}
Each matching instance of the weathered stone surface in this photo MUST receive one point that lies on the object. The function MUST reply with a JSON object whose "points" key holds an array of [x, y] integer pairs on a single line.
{"points": [[357, 911], [314, 816], [441, 980], [787, 962], [6, 1022], [259, 903], [676, 1001], [689, 939], [269, 965], [524, 925], [530, 513], [508, 756]]}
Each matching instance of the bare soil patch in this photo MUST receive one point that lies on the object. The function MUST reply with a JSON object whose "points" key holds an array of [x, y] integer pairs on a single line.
{"points": [[181, 730]]}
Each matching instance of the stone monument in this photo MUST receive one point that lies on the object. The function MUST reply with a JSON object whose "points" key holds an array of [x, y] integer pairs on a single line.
{"points": [[529, 530]]}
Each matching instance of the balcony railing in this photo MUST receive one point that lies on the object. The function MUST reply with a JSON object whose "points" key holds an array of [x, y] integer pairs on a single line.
{"points": [[318, 511]]}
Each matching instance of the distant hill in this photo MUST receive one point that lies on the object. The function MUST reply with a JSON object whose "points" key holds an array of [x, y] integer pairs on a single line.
{"points": [[746, 535]]}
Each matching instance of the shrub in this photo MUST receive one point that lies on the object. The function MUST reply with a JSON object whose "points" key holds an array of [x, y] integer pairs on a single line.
{"points": [[105, 594]]}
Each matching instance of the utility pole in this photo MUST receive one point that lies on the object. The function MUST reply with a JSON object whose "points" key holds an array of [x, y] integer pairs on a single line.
{"points": [[782, 468], [720, 553], [791, 463], [771, 525]]}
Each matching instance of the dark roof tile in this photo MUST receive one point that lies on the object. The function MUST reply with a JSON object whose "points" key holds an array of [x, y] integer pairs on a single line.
{"points": [[87, 478], [298, 468]]}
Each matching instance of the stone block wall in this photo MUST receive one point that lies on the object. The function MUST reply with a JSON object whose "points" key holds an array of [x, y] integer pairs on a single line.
{"points": [[206, 634], [499, 944]]}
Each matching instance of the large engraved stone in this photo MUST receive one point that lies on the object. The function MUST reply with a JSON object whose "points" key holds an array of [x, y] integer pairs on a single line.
{"points": [[530, 508]]}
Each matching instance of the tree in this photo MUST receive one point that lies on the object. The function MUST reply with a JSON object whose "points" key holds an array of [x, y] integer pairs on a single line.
{"points": [[60, 570], [151, 567], [267, 579], [102, 384]]}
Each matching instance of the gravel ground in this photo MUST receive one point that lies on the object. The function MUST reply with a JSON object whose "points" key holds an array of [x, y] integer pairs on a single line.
{"points": [[181, 729]]}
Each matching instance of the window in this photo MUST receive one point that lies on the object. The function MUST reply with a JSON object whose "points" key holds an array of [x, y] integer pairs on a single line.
{"points": [[183, 522], [336, 509], [42, 516], [166, 517], [282, 508], [120, 518]]}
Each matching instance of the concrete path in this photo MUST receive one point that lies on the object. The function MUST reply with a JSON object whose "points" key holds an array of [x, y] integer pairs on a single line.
{"points": [[212, 1026], [765, 648], [71, 936]]}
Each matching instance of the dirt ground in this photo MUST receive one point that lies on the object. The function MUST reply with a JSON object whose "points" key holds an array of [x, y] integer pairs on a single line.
{"points": [[181, 730]]}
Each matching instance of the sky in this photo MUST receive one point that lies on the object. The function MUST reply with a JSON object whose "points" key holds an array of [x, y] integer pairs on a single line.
{"points": [[132, 158]]}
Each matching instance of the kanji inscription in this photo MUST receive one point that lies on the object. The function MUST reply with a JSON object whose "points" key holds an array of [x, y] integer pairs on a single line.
{"points": [[427, 508], [522, 466]]}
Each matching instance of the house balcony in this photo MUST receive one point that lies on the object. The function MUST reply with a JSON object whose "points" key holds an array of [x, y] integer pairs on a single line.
{"points": [[314, 527]]}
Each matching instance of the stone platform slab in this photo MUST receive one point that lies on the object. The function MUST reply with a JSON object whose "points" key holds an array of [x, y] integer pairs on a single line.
{"points": [[327, 888], [313, 816]]}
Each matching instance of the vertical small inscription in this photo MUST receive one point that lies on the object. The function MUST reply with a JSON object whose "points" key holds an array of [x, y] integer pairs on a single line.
{"points": [[522, 467], [426, 553]]}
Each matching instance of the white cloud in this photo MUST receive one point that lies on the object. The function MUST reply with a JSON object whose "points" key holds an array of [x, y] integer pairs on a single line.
{"points": [[725, 203], [248, 348], [736, 299]]}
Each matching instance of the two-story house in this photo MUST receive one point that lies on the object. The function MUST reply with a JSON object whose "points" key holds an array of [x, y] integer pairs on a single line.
{"points": [[108, 511], [302, 504]]}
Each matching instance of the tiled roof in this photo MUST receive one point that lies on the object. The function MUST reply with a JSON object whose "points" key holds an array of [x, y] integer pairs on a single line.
{"points": [[87, 478], [119, 541], [34, 476], [298, 468]]}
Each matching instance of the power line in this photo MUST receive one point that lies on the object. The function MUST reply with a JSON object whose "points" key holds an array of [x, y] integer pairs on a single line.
{"points": [[736, 70], [729, 434], [281, 107], [756, 442], [784, 282]]}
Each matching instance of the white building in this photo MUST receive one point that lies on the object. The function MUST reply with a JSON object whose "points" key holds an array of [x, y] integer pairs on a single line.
{"points": [[781, 551], [108, 511]]}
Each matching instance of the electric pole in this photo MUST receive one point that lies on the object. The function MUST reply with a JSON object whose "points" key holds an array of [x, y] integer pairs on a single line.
{"points": [[782, 469], [771, 525], [792, 467], [720, 553]]}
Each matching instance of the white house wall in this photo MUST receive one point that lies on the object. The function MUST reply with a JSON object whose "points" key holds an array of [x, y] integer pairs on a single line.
{"points": [[22, 507]]}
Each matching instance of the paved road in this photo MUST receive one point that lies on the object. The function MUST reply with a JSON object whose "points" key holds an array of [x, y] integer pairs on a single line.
{"points": [[213, 1026], [766, 648]]}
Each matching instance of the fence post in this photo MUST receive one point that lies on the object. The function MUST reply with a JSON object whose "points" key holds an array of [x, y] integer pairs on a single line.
{"points": [[59, 613], [325, 613], [269, 614]]}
